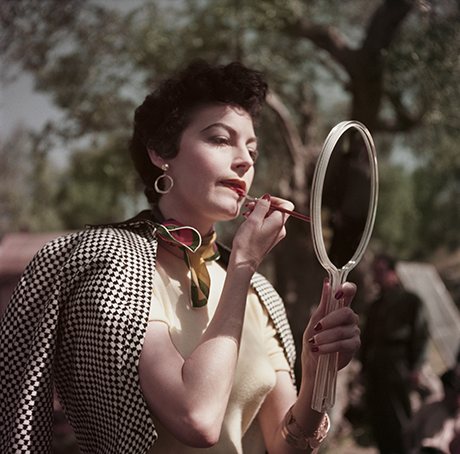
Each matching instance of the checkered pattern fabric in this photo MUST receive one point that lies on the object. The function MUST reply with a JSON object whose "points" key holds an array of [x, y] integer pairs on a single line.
{"points": [[77, 321], [277, 312]]}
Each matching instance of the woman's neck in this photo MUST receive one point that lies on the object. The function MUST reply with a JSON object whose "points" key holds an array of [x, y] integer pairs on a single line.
{"points": [[204, 226], [174, 250]]}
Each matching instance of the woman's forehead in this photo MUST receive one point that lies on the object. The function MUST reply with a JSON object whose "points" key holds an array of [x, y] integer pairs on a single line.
{"points": [[206, 115]]}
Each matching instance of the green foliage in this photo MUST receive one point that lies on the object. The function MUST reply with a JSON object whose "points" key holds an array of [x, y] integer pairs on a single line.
{"points": [[32, 29], [397, 218], [14, 174], [438, 197], [28, 185], [424, 65], [96, 188], [98, 63]]}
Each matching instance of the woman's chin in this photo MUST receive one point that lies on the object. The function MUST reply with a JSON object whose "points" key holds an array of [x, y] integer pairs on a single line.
{"points": [[230, 211], [230, 216]]}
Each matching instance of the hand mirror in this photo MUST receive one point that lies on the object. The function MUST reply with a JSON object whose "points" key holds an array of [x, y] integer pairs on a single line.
{"points": [[342, 207]]}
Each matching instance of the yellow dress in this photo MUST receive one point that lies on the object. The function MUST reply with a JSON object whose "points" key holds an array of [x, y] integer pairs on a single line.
{"points": [[261, 355]]}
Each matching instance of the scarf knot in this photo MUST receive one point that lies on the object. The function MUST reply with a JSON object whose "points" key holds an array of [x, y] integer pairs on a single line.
{"points": [[196, 252]]}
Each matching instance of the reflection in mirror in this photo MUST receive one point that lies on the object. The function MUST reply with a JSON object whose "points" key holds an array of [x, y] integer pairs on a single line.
{"points": [[346, 197]]}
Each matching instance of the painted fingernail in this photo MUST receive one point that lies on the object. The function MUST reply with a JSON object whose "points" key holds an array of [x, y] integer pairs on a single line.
{"points": [[266, 197], [314, 348], [318, 327], [311, 340], [338, 295]]}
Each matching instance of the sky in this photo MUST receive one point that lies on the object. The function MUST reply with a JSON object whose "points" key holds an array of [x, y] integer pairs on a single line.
{"points": [[21, 105]]}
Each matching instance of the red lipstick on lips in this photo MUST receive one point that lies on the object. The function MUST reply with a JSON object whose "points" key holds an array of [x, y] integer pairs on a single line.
{"points": [[236, 185]]}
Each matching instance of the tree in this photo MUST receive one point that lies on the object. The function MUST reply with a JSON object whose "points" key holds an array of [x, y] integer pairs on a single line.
{"points": [[28, 186], [14, 174], [101, 188], [388, 62]]}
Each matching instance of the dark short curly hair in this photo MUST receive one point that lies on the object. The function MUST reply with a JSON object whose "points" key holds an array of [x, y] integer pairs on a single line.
{"points": [[160, 120]]}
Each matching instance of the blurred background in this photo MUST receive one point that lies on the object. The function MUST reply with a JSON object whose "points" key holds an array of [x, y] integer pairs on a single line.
{"points": [[73, 71]]}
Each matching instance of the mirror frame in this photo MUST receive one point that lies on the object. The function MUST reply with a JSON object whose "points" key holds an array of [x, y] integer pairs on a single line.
{"points": [[324, 388], [316, 195]]}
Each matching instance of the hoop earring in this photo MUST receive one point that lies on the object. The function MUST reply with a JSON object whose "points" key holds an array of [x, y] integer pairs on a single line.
{"points": [[168, 181]]}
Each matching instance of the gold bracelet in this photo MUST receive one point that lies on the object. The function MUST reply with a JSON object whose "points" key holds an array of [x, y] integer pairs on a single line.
{"points": [[295, 436]]}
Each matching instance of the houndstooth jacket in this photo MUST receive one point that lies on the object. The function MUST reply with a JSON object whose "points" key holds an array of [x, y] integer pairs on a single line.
{"points": [[76, 321]]}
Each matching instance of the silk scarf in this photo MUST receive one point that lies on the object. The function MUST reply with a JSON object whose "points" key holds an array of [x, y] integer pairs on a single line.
{"points": [[196, 252]]}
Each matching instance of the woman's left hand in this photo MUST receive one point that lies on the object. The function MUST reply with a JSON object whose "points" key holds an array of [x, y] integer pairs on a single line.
{"points": [[336, 332]]}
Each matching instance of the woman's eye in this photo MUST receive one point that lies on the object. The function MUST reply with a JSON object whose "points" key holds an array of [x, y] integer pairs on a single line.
{"points": [[254, 154], [220, 140]]}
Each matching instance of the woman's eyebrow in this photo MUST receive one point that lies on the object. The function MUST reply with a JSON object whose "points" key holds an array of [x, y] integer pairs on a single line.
{"points": [[229, 129]]}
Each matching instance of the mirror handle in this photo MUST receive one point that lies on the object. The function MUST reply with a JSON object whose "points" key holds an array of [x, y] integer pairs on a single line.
{"points": [[323, 397]]}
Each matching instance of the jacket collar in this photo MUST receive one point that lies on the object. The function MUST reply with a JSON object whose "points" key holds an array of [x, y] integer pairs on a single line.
{"points": [[143, 218]]}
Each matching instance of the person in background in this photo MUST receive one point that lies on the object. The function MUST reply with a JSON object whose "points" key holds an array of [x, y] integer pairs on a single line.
{"points": [[394, 342]]}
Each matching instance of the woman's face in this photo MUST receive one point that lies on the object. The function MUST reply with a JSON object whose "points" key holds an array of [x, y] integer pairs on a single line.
{"points": [[214, 167]]}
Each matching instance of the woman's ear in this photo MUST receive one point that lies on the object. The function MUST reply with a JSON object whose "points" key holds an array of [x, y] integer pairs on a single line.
{"points": [[155, 159]]}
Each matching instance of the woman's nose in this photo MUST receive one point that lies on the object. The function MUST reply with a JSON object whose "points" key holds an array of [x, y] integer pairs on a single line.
{"points": [[242, 159]]}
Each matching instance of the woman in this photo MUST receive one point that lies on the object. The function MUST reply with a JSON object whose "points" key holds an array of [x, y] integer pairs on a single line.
{"points": [[149, 324]]}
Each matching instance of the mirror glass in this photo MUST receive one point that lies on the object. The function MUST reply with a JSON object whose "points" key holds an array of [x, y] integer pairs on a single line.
{"points": [[346, 197]]}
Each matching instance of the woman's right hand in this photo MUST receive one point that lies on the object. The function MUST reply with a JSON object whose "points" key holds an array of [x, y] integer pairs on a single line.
{"points": [[263, 229]]}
